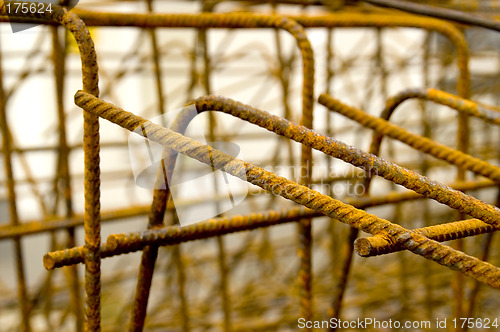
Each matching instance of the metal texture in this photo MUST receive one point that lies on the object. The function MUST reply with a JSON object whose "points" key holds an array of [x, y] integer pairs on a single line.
{"points": [[418, 142], [222, 290], [277, 185]]}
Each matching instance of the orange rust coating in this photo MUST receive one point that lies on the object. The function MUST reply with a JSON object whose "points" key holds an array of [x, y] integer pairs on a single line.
{"points": [[90, 80], [119, 244], [369, 246], [420, 143], [378, 245], [245, 20], [488, 113], [444, 255], [370, 163]]}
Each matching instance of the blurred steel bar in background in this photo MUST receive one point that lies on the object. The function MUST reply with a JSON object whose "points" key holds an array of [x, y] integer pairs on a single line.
{"points": [[13, 213], [438, 12], [220, 226], [420, 143]]}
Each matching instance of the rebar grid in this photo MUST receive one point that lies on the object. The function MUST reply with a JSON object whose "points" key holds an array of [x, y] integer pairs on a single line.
{"points": [[389, 237]]}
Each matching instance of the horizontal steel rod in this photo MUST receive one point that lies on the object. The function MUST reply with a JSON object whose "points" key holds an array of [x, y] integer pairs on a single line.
{"points": [[438, 12], [377, 245]]}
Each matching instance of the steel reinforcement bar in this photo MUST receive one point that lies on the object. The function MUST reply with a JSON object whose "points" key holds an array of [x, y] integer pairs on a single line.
{"points": [[207, 103], [302, 195], [420, 143], [370, 163], [245, 20], [371, 246], [348, 20], [378, 245], [488, 113], [90, 79]]}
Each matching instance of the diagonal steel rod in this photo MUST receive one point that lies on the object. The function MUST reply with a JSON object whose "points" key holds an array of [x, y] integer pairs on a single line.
{"points": [[373, 246], [487, 113], [423, 144], [362, 220], [370, 163], [375, 165]]}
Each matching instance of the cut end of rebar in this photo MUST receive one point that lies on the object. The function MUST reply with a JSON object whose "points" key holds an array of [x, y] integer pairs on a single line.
{"points": [[49, 262], [79, 93], [363, 247], [112, 241], [323, 99]]}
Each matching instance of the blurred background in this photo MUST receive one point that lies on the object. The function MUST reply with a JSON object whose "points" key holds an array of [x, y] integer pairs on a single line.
{"points": [[244, 281]]}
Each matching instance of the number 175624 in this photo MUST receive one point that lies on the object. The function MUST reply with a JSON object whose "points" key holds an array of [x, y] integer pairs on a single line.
{"points": [[28, 8], [475, 323]]}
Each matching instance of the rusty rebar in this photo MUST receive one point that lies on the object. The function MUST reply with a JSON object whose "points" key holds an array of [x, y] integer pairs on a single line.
{"points": [[349, 201], [372, 164], [485, 112], [274, 123], [488, 113], [438, 26], [242, 20], [418, 244], [378, 245], [423, 144], [91, 153], [59, 60], [420, 143], [203, 230]]}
